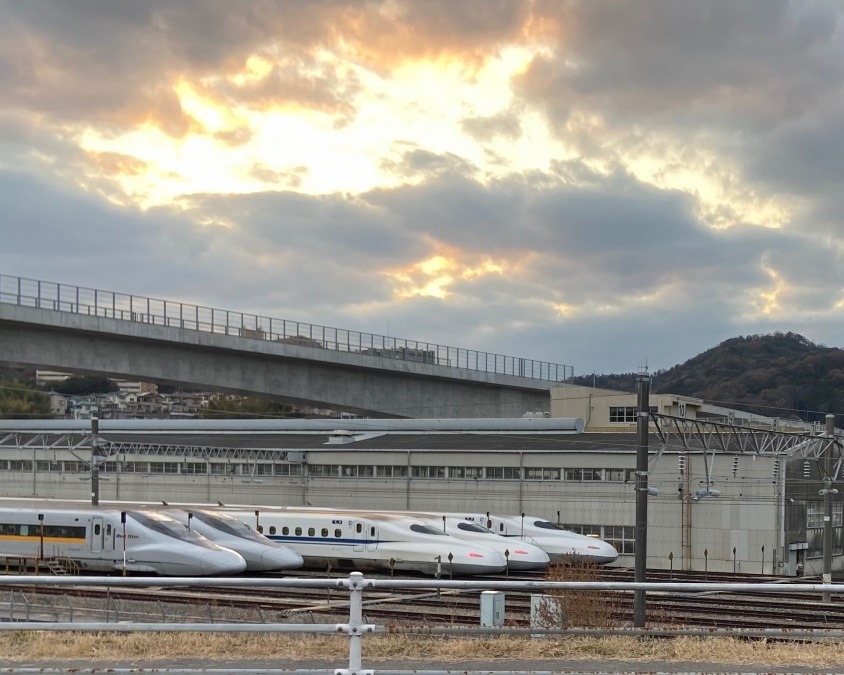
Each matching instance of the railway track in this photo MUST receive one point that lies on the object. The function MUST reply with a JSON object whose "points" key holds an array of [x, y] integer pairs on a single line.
{"points": [[451, 607]]}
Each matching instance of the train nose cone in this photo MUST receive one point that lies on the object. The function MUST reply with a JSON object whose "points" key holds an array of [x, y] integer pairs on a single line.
{"points": [[528, 558], [478, 561], [602, 552], [222, 562], [280, 559]]}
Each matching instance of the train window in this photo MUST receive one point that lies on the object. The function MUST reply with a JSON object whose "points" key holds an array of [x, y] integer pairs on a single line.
{"points": [[108, 530], [67, 531], [338, 533], [97, 529], [311, 532], [472, 527], [260, 529], [547, 525], [425, 529], [324, 532], [272, 529], [359, 528], [372, 531], [298, 531], [285, 530]]}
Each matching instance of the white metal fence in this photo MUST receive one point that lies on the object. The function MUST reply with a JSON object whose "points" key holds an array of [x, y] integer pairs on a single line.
{"points": [[356, 629], [112, 305]]}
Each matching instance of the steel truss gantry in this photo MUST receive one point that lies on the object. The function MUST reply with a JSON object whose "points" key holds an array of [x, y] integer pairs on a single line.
{"points": [[708, 438], [85, 444]]}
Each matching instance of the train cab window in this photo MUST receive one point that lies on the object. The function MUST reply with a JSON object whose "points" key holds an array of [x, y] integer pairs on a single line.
{"points": [[473, 527], [285, 530], [324, 532], [426, 529], [338, 533], [298, 531], [311, 532], [548, 525], [359, 528], [272, 529]]}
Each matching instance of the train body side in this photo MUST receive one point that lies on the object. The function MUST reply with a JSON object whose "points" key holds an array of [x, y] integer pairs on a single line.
{"points": [[363, 540]]}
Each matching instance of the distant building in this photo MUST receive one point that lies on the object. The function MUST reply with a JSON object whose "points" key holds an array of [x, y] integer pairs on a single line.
{"points": [[607, 410], [58, 404], [44, 378]]}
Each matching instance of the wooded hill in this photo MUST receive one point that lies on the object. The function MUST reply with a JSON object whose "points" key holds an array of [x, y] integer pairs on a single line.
{"points": [[779, 375]]}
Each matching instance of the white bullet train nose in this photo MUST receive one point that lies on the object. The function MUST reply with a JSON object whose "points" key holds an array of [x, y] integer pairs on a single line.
{"points": [[601, 552], [275, 559], [222, 562], [475, 560], [524, 557]]}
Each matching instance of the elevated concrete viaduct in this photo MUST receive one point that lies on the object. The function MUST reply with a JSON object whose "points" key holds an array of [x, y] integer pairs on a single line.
{"points": [[385, 387]]}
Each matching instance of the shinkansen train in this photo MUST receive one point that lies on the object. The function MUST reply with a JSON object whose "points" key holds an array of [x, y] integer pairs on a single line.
{"points": [[554, 539], [108, 539], [368, 540], [520, 555], [260, 553]]}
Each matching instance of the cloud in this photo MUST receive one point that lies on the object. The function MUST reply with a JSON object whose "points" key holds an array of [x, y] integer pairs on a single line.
{"points": [[587, 182]]}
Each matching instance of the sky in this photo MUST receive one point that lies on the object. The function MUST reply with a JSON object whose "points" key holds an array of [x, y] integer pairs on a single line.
{"points": [[605, 184]]}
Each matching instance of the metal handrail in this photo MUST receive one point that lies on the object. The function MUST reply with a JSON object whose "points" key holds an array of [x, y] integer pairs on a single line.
{"points": [[60, 297], [356, 584]]}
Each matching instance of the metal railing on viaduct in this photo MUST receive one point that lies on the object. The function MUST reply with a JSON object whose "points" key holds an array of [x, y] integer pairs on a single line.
{"points": [[60, 297]]}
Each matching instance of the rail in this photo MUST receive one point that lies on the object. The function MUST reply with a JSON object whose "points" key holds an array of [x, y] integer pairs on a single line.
{"points": [[356, 628], [60, 297]]}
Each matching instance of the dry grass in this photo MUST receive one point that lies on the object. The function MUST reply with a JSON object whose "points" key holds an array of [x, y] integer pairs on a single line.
{"points": [[106, 646]]}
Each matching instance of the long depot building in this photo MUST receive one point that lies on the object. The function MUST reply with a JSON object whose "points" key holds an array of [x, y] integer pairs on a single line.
{"points": [[743, 511]]}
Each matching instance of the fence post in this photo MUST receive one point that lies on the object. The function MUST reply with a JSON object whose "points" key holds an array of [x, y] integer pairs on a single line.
{"points": [[355, 621]]}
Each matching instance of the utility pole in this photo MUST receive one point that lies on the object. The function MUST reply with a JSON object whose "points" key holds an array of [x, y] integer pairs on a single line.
{"points": [[641, 531], [95, 461], [827, 493]]}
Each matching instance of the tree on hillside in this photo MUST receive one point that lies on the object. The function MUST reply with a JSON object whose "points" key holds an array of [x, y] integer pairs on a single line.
{"points": [[77, 385], [18, 401], [245, 407]]}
